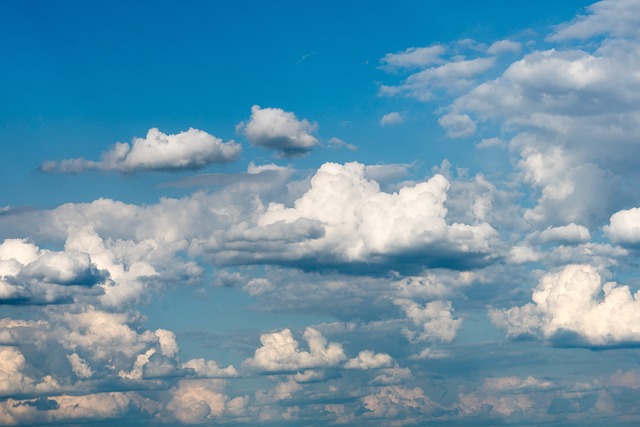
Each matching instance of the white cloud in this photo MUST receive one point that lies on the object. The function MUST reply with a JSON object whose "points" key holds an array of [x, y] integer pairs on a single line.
{"points": [[393, 118], [567, 306], [620, 18], [192, 149], [624, 226], [367, 359], [198, 401], [276, 129], [209, 369], [435, 321], [457, 125], [392, 402], [280, 352], [414, 57], [570, 233], [338, 143], [363, 224]]}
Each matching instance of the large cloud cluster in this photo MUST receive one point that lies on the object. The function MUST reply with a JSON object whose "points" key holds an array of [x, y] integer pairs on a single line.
{"points": [[361, 223]]}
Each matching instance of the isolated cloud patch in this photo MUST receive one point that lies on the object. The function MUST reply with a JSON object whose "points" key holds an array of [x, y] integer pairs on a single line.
{"points": [[567, 308], [192, 149], [276, 129]]}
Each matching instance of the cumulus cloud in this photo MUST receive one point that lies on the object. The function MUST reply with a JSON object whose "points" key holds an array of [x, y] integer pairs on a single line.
{"points": [[192, 149], [567, 308], [198, 401], [435, 321], [280, 352], [276, 129], [29, 274], [367, 359], [393, 118], [363, 224], [624, 226], [457, 125], [571, 233]]}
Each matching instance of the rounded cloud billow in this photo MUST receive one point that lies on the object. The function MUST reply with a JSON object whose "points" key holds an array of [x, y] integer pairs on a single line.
{"points": [[276, 129], [189, 150]]}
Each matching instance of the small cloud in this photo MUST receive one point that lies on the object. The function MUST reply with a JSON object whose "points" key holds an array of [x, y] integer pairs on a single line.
{"points": [[276, 129], [338, 143], [414, 57], [504, 46], [457, 125], [393, 118], [189, 150]]}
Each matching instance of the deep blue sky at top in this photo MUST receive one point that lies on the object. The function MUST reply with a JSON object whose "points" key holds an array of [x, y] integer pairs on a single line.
{"points": [[78, 76]]}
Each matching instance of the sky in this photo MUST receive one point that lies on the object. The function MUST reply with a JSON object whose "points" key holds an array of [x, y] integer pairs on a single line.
{"points": [[320, 213]]}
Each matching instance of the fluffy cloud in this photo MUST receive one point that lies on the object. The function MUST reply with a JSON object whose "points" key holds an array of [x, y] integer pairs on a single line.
{"points": [[369, 360], [457, 125], [280, 352], [393, 118], [29, 274], [280, 130], [624, 226], [567, 307], [192, 149], [435, 321], [363, 224], [570, 233], [197, 401], [503, 46]]}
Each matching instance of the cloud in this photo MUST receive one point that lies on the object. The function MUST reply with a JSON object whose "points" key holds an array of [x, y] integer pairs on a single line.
{"points": [[198, 401], [504, 46], [435, 321], [367, 359], [391, 119], [454, 75], [363, 224], [280, 352], [457, 125], [30, 275], [414, 57], [276, 129], [189, 150], [570, 233], [624, 227], [567, 309], [619, 18]]}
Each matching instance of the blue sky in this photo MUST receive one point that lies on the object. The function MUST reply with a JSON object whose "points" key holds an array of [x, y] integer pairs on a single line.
{"points": [[247, 213]]}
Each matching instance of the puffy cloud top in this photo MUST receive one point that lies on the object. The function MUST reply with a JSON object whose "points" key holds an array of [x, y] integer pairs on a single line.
{"points": [[624, 226], [280, 352], [364, 224], [567, 305], [280, 130], [192, 149]]}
